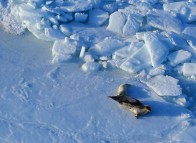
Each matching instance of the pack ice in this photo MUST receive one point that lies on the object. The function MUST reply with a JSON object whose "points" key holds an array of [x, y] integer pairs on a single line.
{"points": [[152, 41], [138, 37]]}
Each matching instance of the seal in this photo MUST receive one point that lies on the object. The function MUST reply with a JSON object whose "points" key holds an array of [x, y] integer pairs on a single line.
{"points": [[123, 89], [132, 104]]}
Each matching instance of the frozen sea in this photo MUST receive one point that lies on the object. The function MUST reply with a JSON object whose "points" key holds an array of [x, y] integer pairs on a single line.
{"points": [[55, 81]]}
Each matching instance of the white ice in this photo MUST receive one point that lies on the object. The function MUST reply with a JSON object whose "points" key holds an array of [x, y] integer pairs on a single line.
{"points": [[185, 9], [157, 49], [107, 46], [63, 50], [138, 61], [164, 85], [163, 20], [189, 69], [97, 17], [116, 22], [179, 57]]}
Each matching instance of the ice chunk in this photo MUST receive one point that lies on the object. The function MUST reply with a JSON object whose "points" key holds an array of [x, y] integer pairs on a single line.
{"points": [[129, 50], [81, 17], [82, 52], [178, 57], [97, 17], [176, 40], [110, 7], [28, 14], [54, 34], [170, 22], [89, 35], [91, 66], [189, 69], [144, 4], [107, 46], [53, 20], [88, 58], [123, 24], [190, 36], [133, 10], [135, 63], [78, 6], [192, 43], [64, 18], [131, 26], [63, 50], [186, 10], [157, 71], [157, 49], [164, 85], [65, 30], [189, 32], [116, 22]]}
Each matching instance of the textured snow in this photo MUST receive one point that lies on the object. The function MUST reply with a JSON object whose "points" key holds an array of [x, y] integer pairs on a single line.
{"points": [[164, 85]]}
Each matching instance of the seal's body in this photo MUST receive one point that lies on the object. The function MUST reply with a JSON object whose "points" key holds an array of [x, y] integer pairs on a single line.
{"points": [[130, 103]]}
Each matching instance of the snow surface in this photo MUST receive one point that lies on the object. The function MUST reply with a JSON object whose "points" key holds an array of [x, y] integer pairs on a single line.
{"points": [[59, 89]]}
